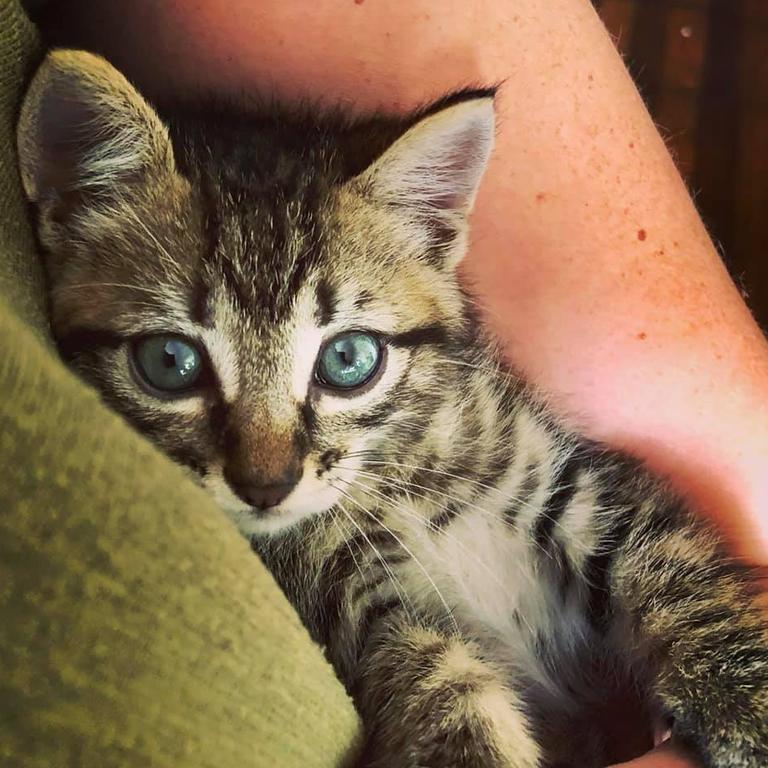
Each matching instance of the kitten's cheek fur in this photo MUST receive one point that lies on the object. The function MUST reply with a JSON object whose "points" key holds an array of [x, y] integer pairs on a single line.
{"points": [[312, 496]]}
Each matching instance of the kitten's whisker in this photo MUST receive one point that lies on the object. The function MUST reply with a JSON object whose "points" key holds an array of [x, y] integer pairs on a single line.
{"points": [[522, 503], [539, 510], [429, 524], [474, 558], [345, 538], [507, 497], [443, 473], [397, 585], [415, 559], [496, 371]]}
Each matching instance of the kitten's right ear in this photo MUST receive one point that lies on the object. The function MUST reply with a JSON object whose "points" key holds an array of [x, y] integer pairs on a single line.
{"points": [[85, 129]]}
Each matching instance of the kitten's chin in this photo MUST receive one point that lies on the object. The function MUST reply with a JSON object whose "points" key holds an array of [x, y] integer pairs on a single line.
{"points": [[299, 505], [265, 523]]}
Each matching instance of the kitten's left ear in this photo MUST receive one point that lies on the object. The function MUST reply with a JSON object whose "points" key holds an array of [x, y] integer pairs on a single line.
{"points": [[85, 129], [435, 167]]}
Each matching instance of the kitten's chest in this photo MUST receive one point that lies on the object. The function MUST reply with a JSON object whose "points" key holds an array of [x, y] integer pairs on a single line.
{"points": [[493, 582]]}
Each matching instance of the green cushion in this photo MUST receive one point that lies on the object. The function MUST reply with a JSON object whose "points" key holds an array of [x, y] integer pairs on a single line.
{"points": [[20, 274], [136, 626]]}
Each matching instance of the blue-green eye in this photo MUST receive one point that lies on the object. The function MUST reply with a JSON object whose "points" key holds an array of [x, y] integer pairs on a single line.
{"points": [[349, 360], [168, 363]]}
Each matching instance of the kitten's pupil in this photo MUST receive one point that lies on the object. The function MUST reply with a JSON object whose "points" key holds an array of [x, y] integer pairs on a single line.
{"points": [[347, 357], [167, 363], [179, 356], [169, 358]]}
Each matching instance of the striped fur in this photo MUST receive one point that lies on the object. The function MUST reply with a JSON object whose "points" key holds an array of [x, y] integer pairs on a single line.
{"points": [[482, 578]]}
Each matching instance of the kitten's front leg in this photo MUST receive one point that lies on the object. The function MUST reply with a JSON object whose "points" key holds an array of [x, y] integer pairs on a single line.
{"points": [[693, 617], [430, 700]]}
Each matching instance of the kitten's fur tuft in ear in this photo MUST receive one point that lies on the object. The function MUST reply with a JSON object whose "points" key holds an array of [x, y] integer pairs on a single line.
{"points": [[85, 129], [437, 164]]}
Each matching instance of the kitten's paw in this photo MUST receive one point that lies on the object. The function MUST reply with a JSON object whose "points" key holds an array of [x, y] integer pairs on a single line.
{"points": [[435, 702]]}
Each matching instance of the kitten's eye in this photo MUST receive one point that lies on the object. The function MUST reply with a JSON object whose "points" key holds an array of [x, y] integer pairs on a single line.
{"points": [[168, 363], [349, 360]]}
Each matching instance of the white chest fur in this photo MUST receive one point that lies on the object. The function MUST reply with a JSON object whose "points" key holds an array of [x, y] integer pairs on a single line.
{"points": [[491, 580]]}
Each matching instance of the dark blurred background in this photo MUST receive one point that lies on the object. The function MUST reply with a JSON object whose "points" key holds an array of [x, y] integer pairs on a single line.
{"points": [[702, 67]]}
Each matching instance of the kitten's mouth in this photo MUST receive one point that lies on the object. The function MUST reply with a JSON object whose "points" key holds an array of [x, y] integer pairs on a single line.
{"points": [[261, 513]]}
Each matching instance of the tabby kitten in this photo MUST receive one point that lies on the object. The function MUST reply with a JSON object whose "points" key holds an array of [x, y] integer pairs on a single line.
{"points": [[271, 297]]}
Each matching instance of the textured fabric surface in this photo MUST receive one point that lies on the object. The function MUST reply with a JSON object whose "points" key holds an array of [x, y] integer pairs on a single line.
{"points": [[20, 277], [136, 627]]}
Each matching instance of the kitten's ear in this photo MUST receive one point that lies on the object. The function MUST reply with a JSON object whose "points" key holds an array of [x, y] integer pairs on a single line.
{"points": [[85, 129], [436, 166]]}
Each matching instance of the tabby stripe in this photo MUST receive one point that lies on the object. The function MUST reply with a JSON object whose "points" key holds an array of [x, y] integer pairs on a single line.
{"points": [[308, 416], [662, 520], [79, 340], [199, 305], [381, 538], [326, 302], [380, 574], [596, 574], [565, 484], [362, 299], [229, 277], [445, 517], [566, 575], [371, 583], [217, 420], [333, 582], [377, 415], [314, 239], [496, 469], [152, 423], [342, 560], [373, 614], [525, 493], [434, 334], [189, 457], [598, 568], [425, 478]]}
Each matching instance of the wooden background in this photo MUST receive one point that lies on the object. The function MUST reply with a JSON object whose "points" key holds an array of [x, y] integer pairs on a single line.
{"points": [[702, 67]]}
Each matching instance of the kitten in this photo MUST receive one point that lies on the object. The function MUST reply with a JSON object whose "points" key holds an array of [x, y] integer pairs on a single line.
{"points": [[272, 298]]}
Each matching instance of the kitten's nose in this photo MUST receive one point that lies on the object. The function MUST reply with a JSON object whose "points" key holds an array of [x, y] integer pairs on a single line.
{"points": [[262, 469], [265, 496]]}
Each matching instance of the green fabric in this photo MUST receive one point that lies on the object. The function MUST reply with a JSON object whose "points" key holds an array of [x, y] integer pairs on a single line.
{"points": [[136, 627], [20, 276]]}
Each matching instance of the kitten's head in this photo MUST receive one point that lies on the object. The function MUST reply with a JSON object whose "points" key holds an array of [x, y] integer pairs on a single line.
{"points": [[268, 296]]}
